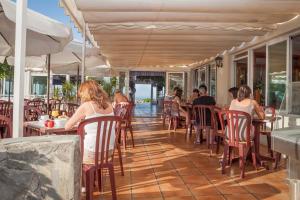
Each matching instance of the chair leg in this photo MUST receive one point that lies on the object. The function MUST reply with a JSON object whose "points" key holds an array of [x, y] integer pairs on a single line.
{"points": [[218, 144], [124, 137], [230, 157], [269, 145], [224, 162], [112, 182], [242, 160], [99, 179], [131, 133], [207, 131], [277, 160], [120, 159], [89, 184]]}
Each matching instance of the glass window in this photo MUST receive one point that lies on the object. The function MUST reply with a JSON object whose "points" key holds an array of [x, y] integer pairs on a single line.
{"points": [[296, 58], [38, 85], [277, 74], [202, 76], [175, 80], [196, 78], [9, 86], [241, 72], [259, 75], [212, 81]]}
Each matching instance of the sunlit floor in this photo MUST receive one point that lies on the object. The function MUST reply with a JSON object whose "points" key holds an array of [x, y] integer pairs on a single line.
{"points": [[166, 165]]}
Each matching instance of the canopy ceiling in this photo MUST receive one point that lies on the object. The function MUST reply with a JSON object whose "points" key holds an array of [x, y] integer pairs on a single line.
{"points": [[44, 35], [145, 33]]}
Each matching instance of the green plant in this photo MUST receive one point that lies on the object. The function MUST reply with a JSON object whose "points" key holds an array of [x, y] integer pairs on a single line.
{"points": [[5, 70], [68, 91], [56, 92], [147, 100]]}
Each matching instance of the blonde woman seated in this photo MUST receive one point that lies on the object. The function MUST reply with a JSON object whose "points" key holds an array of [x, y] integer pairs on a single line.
{"points": [[244, 103], [94, 103]]}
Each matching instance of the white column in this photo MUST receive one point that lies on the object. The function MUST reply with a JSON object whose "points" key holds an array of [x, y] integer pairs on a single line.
{"points": [[83, 53], [19, 71]]}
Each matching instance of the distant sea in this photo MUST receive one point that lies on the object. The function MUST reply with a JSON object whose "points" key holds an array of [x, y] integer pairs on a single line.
{"points": [[143, 91]]}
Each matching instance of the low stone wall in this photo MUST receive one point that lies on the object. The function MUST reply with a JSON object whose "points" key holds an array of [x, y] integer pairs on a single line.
{"points": [[42, 168]]}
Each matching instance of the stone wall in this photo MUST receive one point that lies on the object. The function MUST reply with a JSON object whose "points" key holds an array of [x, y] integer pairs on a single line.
{"points": [[43, 167]]}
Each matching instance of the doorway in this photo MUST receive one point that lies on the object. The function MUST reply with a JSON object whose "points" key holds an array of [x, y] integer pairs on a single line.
{"points": [[147, 90], [259, 75]]}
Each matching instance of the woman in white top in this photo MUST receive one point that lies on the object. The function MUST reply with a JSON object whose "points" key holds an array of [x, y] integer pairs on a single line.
{"points": [[94, 103], [244, 103]]}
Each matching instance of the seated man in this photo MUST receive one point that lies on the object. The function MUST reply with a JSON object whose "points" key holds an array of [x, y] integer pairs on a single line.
{"points": [[204, 99]]}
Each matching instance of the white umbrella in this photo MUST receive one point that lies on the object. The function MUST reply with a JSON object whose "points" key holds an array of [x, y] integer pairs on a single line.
{"points": [[44, 35]]}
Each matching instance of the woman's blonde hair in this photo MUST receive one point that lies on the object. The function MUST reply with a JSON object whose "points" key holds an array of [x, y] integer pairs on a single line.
{"points": [[91, 91]]}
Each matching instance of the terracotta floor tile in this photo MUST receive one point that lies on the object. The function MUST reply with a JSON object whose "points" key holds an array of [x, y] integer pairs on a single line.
{"points": [[167, 165], [240, 197]]}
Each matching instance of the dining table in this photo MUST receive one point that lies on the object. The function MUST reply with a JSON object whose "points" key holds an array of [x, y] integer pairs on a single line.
{"points": [[40, 129], [257, 124]]}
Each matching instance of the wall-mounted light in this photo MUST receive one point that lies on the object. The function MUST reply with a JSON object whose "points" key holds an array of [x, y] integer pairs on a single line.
{"points": [[219, 61]]}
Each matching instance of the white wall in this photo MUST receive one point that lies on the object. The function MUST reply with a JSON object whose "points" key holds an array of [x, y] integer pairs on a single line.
{"points": [[224, 80]]}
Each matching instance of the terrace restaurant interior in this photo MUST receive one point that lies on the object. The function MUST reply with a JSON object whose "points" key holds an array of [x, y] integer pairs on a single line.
{"points": [[221, 121]]}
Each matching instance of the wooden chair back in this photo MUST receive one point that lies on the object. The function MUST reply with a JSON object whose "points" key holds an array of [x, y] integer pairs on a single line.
{"points": [[6, 125], [31, 113], [6, 108], [238, 128], [54, 104], [106, 126], [121, 110], [71, 108], [202, 115]]}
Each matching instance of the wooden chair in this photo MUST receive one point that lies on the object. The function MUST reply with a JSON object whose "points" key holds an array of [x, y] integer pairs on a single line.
{"points": [[103, 153], [219, 131], [125, 112], [31, 113], [6, 127], [54, 104], [238, 135], [167, 108], [38, 103], [203, 119], [6, 110], [71, 108]]}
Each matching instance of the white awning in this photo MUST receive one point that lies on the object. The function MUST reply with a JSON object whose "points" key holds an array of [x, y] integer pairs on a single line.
{"points": [[67, 61], [44, 35], [145, 33]]}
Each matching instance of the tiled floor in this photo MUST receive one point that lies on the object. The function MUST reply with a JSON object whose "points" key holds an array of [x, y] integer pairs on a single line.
{"points": [[166, 165], [147, 110]]}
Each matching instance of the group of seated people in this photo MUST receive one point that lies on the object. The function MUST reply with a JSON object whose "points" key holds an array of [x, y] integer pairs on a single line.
{"points": [[241, 101]]}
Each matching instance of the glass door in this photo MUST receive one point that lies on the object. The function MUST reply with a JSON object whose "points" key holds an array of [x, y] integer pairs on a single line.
{"points": [[202, 76], [241, 71], [277, 74], [175, 79], [212, 80], [259, 75]]}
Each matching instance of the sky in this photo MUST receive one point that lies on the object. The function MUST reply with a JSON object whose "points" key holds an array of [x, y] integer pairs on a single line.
{"points": [[51, 9]]}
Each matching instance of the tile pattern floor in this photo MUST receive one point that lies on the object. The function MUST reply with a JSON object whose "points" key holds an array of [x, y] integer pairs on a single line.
{"points": [[147, 110], [167, 165]]}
